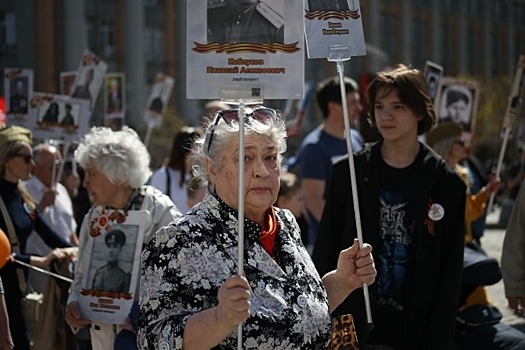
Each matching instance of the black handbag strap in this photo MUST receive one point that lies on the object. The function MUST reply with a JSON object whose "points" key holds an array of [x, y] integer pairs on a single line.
{"points": [[168, 182], [15, 245]]}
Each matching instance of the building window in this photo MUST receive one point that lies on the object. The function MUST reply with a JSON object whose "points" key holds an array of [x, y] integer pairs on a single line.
{"points": [[153, 45], [101, 39], [107, 43], [7, 33]]}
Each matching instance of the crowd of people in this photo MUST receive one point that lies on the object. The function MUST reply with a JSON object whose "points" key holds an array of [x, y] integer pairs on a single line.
{"points": [[305, 260]]}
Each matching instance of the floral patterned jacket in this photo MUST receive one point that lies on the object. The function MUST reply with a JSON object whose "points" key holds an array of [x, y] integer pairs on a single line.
{"points": [[186, 262]]}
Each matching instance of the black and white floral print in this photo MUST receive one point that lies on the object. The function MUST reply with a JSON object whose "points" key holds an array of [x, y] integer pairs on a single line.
{"points": [[186, 262]]}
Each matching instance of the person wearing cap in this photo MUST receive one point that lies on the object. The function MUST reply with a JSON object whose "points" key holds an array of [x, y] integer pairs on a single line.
{"points": [[116, 165], [411, 209], [111, 277], [446, 140], [16, 163], [475, 305]]}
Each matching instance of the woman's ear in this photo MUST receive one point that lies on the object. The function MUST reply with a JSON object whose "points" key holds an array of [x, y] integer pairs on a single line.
{"points": [[210, 170]]}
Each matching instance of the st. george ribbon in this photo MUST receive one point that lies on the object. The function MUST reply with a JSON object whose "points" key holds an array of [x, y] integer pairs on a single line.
{"points": [[339, 54]]}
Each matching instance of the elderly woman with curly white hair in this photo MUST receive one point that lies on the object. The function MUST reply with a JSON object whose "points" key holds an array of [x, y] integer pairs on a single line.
{"points": [[117, 167]]}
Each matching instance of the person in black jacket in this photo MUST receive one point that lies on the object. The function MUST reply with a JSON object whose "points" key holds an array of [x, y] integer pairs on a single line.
{"points": [[22, 214], [412, 212]]}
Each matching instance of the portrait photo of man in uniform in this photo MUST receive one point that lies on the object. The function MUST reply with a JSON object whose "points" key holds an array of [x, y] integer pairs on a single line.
{"points": [[111, 277], [18, 99], [245, 21], [327, 5]]}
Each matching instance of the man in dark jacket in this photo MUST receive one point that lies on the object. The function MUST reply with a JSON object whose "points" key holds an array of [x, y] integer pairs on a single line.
{"points": [[412, 212]]}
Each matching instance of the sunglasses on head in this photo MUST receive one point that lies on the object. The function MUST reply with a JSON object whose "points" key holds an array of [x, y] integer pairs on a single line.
{"points": [[27, 157], [261, 114]]}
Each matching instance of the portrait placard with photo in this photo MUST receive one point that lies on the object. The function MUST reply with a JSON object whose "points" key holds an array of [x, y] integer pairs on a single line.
{"points": [[433, 73], [18, 90], [58, 117], [67, 79], [247, 50], [333, 23], [457, 102], [115, 95], [113, 252], [158, 99], [89, 78]]}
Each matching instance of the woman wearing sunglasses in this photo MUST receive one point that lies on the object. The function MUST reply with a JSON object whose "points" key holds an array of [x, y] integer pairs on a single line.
{"points": [[16, 162], [446, 141], [190, 297]]}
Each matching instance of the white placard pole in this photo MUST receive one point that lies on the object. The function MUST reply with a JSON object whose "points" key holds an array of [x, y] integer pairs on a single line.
{"points": [[240, 213], [339, 54], [508, 121]]}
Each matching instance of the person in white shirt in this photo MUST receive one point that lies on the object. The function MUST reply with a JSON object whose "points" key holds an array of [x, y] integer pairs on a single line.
{"points": [[54, 204], [172, 178]]}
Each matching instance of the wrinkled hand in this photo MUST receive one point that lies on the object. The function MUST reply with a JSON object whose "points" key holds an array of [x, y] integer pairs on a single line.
{"points": [[74, 317], [48, 199], [356, 266], [515, 303], [56, 254], [234, 302]]}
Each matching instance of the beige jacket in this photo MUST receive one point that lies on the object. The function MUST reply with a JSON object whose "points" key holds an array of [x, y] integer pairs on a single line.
{"points": [[513, 252]]}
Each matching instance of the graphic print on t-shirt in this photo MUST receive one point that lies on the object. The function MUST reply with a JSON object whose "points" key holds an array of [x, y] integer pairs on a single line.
{"points": [[392, 261]]}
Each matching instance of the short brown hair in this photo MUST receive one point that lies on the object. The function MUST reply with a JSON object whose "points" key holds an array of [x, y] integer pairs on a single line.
{"points": [[410, 85]]}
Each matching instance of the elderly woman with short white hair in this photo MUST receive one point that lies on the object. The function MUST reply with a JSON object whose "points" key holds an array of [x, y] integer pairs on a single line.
{"points": [[117, 167], [190, 295]]}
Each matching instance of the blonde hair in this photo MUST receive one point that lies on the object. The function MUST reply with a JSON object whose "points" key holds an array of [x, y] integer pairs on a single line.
{"points": [[6, 153]]}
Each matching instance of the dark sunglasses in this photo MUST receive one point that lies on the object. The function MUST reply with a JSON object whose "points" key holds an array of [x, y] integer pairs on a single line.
{"points": [[27, 157], [262, 114], [459, 142]]}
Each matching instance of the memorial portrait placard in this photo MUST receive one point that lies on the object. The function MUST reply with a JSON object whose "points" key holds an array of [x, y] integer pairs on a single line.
{"points": [[255, 52], [333, 23], [115, 95], [58, 117], [89, 78], [433, 73], [18, 90], [112, 264], [457, 102], [67, 79], [158, 99]]}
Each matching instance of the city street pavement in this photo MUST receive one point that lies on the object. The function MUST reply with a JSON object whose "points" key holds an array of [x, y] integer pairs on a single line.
{"points": [[492, 242]]}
